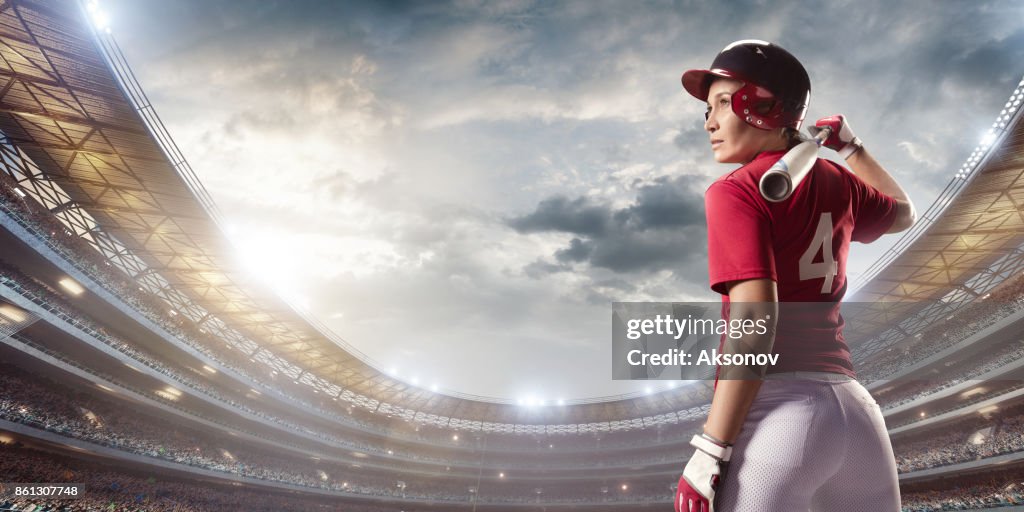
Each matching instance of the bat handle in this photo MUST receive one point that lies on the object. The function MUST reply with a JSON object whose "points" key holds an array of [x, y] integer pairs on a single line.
{"points": [[822, 135]]}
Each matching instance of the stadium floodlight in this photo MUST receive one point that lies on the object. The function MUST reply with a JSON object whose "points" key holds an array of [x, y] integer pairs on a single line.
{"points": [[71, 286], [561, 401], [647, 390], [988, 138], [455, 437], [433, 387], [988, 410], [99, 17], [12, 313], [20, 192], [501, 475]]}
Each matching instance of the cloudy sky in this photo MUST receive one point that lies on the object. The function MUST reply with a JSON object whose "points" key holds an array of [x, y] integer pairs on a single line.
{"points": [[461, 189]]}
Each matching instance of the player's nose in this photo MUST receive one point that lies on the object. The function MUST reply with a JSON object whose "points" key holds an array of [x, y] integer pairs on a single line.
{"points": [[710, 125]]}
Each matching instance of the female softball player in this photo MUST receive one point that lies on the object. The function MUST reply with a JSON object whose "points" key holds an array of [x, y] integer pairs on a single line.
{"points": [[806, 436]]}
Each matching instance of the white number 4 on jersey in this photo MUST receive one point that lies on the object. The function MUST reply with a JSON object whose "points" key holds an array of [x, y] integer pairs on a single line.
{"points": [[828, 267]]}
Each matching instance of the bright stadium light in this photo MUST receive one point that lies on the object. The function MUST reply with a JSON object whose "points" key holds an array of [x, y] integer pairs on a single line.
{"points": [[561, 401], [12, 313], [99, 17], [988, 138], [71, 286]]}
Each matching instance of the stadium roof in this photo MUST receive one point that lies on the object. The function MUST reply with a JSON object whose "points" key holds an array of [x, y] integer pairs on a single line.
{"points": [[70, 103], [967, 242]]}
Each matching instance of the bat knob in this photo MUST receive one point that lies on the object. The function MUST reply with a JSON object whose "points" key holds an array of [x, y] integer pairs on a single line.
{"points": [[776, 185]]}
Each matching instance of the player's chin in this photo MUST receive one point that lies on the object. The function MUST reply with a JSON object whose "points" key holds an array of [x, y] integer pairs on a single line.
{"points": [[722, 157]]}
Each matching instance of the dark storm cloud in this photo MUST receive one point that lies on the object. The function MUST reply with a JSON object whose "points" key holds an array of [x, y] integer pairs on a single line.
{"points": [[577, 216], [661, 229], [577, 251]]}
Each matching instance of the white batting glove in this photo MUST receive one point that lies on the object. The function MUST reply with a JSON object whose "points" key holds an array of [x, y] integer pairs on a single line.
{"points": [[701, 477]]}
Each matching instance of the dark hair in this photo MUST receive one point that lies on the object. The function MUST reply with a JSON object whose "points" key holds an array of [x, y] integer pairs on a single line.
{"points": [[792, 136]]}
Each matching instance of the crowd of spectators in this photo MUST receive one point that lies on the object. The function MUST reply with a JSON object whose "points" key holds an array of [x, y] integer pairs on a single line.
{"points": [[911, 390], [971, 439], [988, 490], [971, 318], [33, 401], [109, 488], [36, 402]]}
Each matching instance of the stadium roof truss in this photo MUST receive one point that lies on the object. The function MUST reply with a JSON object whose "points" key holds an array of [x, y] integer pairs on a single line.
{"points": [[82, 138]]}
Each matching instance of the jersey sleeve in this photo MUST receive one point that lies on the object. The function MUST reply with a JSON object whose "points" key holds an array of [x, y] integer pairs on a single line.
{"points": [[874, 212], [739, 236]]}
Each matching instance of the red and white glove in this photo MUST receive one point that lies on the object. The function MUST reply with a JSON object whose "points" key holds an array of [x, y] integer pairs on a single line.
{"points": [[701, 477], [842, 139]]}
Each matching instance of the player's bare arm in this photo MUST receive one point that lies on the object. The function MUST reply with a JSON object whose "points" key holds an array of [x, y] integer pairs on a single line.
{"points": [[733, 397], [864, 165]]}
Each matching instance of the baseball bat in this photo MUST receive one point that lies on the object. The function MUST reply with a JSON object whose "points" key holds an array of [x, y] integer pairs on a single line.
{"points": [[782, 178]]}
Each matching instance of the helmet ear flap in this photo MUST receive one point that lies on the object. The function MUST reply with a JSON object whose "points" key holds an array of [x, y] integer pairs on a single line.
{"points": [[761, 109]]}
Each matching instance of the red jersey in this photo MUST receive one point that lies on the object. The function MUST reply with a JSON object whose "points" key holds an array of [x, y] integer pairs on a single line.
{"points": [[801, 244]]}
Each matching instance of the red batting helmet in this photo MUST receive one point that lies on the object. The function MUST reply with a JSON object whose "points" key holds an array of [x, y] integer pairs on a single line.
{"points": [[776, 89]]}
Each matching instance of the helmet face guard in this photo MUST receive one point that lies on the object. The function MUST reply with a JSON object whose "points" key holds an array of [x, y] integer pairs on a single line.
{"points": [[775, 91]]}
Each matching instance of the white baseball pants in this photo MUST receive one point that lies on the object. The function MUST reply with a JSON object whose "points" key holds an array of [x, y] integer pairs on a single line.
{"points": [[812, 441]]}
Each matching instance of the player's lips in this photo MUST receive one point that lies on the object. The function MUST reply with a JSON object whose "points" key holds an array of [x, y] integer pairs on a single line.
{"points": [[715, 143]]}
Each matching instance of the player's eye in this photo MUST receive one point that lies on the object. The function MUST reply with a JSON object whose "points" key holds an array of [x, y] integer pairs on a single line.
{"points": [[707, 113]]}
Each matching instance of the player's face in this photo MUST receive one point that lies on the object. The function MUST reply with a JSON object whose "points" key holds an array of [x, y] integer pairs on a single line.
{"points": [[733, 140]]}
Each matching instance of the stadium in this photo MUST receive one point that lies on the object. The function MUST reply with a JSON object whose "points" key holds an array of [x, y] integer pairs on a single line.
{"points": [[136, 360]]}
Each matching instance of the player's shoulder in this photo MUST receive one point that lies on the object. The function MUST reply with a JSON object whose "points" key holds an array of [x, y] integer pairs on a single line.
{"points": [[747, 177]]}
